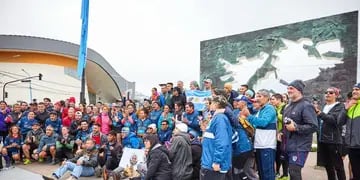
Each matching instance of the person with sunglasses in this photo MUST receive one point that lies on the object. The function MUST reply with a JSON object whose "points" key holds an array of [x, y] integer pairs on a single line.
{"points": [[330, 135]]}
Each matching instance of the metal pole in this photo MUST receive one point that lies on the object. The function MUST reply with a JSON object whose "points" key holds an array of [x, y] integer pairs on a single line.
{"points": [[82, 92], [4, 92], [30, 88]]}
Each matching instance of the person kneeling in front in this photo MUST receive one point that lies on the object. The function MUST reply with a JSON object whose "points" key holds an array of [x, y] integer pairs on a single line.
{"points": [[83, 164]]}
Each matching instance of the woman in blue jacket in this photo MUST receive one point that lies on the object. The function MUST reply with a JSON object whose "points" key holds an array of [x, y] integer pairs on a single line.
{"points": [[217, 146]]}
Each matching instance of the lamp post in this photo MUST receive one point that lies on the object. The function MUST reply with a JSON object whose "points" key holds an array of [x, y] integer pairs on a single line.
{"points": [[30, 88], [17, 80]]}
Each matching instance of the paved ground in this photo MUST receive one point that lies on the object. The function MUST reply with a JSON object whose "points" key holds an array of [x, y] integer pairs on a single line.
{"points": [[35, 170]]}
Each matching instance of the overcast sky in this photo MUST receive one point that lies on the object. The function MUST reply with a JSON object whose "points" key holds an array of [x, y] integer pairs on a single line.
{"points": [[153, 41]]}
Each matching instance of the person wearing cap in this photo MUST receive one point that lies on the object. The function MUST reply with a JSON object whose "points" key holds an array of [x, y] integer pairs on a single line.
{"points": [[300, 122], [265, 137], [54, 121], [330, 137], [180, 153], [129, 138], [350, 116], [164, 132], [157, 159], [75, 123], [32, 141], [207, 84], [217, 143], [47, 146], [151, 129]]}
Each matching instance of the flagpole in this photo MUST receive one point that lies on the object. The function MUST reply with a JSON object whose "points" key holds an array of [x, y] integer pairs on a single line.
{"points": [[83, 48]]}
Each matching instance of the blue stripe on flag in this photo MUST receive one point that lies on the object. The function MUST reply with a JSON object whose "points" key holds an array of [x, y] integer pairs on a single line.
{"points": [[84, 34], [198, 98]]}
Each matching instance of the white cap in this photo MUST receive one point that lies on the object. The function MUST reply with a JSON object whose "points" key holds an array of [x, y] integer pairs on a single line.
{"points": [[182, 127]]}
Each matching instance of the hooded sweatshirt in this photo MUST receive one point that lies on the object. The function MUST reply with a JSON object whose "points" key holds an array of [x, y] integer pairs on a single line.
{"points": [[180, 156]]}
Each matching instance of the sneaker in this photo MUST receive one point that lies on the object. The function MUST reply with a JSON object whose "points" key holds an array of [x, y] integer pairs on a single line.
{"points": [[41, 160], [27, 161], [47, 178], [284, 178], [53, 162]]}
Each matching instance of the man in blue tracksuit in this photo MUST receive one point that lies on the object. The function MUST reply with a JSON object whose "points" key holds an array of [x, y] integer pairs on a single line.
{"points": [[300, 123], [265, 134], [217, 147]]}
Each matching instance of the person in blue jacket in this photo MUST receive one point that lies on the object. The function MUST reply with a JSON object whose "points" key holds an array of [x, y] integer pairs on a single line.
{"points": [[129, 139], [191, 118], [47, 146], [155, 113], [54, 122], [165, 132], [265, 137], [217, 143], [26, 123], [12, 145]]}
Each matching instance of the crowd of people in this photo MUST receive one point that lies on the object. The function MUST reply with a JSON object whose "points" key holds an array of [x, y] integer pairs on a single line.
{"points": [[240, 134]]}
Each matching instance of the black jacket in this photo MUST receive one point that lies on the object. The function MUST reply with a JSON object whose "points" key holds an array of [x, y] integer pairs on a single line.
{"points": [[158, 164], [330, 131], [303, 114], [196, 151]]}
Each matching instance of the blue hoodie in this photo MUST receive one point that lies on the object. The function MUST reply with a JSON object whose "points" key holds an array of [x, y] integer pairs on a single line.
{"points": [[55, 124], [131, 141], [9, 140], [25, 125], [164, 135], [217, 146]]}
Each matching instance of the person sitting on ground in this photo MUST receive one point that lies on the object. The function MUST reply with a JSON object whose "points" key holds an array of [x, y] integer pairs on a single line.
{"points": [[110, 154], [82, 164], [151, 129], [65, 144], [12, 145], [54, 121], [165, 132], [46, 146], [129, 139], [158, 161], [32, 141]]}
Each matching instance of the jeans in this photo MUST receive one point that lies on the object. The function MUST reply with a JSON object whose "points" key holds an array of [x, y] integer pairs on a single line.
{"points": [[265, 159], [77, 170]]}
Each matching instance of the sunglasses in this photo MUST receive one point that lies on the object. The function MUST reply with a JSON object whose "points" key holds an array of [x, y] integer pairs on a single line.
{"points": [[329, 92]]}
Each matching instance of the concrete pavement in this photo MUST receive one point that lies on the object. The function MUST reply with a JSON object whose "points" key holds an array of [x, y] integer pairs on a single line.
{"points": [[35, 170]]}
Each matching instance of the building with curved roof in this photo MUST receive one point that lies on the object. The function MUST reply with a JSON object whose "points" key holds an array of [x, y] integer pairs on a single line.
{"points": [[24, 56]]}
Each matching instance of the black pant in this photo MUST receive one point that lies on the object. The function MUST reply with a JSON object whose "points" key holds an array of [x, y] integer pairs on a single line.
{"points": [[206, 174], [332, 161], [295, 172], [354, 156], [64, 153], [281, 160]]}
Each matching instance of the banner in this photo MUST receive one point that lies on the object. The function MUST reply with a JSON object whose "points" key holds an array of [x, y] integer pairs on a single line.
{"points": [[129, 153], [198, 98], [84, 35]]}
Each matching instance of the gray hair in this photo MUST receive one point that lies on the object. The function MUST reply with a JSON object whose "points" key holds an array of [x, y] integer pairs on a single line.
{"points": [[264, 93]]}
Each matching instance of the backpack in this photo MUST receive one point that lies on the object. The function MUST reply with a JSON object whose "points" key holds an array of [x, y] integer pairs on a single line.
{"points": [[250, 130]]}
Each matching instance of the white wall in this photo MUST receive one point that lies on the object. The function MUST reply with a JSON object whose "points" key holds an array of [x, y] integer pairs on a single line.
{"points": [[54, 84]]}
